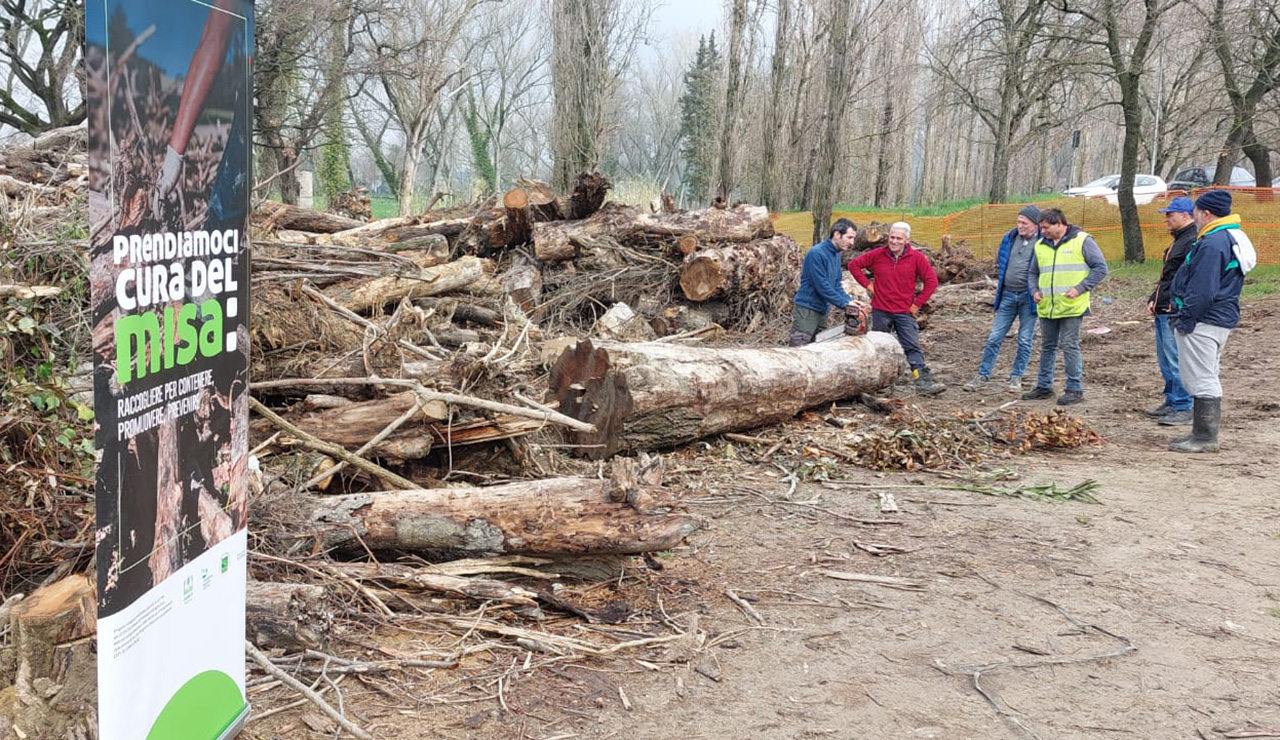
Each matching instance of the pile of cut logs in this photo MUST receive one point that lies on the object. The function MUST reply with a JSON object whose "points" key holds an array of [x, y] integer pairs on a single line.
{"points": [[495, 345]]}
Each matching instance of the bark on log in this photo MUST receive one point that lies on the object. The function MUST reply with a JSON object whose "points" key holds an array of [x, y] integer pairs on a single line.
{"points": [[738, 269], [366, 295], [291, 616], [517, 221], [588, 195], [739, 224], [523, 282], [355, 424], [874, 234], [481, 589], [272, 215], [553, 516], [650, 396], [542, 201]]}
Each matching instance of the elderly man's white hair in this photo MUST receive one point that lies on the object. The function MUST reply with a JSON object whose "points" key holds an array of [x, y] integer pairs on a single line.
{"points": [[902, 226]]}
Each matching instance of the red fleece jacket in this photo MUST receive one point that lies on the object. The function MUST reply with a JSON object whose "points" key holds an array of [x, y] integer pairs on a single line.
{"points": [[895, 288]]}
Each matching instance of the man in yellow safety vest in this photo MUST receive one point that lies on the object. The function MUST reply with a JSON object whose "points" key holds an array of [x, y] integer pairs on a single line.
{"points": [[1066, 265]]}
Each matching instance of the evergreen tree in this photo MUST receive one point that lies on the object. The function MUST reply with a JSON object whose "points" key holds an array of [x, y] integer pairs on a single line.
{"points": [[698, 119]]}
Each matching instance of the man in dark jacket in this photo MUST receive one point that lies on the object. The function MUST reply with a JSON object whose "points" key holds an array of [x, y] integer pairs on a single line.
{"points": [[1206, 301], [1013, 301], [895, 271], [1176, 408], [820, 286], [1066, 266]]}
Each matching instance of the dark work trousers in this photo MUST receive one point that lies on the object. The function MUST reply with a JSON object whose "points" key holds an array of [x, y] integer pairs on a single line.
{"points": [[908, 331]]}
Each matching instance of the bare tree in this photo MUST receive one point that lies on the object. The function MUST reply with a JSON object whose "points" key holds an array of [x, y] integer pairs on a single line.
{"points": [[299, 79], [593, 42], [415, 58], [509, 76], [41, 64], [1000, 67], [770, 182], [1250, 59], [843, 31], [732, 97], [1124, 31]]}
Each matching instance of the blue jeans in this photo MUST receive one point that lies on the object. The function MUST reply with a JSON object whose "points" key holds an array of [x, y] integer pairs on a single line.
{"points": [[1064, 333], [1167, 356], [1012, 306]]}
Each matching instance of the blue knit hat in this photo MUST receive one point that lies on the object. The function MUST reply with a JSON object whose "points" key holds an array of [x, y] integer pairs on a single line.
{"points": [[1217, 202]]}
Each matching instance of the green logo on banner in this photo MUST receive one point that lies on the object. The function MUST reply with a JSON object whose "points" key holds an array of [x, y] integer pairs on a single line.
{"points": [[204, 707]]}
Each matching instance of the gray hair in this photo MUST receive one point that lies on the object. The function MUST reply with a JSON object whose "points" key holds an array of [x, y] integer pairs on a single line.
{"points": [[902, 226]]}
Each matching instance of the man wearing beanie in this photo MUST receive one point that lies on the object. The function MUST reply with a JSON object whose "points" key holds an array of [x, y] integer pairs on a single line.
{"points": [[1206, 303], [1013, 301], [1176, 408]]}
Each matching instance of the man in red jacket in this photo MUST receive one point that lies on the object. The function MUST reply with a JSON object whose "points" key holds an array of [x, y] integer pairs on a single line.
{"points": [[895, 271]]}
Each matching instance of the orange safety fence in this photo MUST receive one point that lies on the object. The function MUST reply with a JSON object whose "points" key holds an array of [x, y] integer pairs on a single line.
{"points": [[982, 227]]}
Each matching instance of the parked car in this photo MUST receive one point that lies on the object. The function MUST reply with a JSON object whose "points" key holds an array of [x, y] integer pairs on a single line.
{"points": [[1202, 177], [1145, 188]]}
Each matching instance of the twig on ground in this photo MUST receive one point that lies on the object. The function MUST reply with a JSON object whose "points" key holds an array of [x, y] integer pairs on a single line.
{"points": [[265, 663]]}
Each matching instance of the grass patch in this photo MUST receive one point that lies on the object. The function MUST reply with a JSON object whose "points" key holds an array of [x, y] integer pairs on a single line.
{"points": [[1130, 280]]}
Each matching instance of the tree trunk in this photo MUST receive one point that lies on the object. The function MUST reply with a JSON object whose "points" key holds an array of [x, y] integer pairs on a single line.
{"points": [[290, 616], [554, 516], [366, 295], [523, 282], [589, 191], [1130, 225], [832, 134], [737, 29], [882, 158], [650, 396], [49, 666], [770, 182], [738, 269], [272, 215], [740, 224]]}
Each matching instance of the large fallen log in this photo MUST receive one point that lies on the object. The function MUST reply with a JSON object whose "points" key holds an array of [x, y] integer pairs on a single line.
{"points": [[739, 268], [588, 195], [739, 224], [273, 215], [291, 616], [542, 517], [646, 396], [367, 295]]}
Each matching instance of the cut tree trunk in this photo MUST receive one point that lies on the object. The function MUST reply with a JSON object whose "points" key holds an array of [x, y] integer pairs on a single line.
{"points": [[737, 269], [543, 517], [523, 282], [739, 224], [516, 225], [272, 215], [290, 616], [354, 424], [50, 672], [543, 205], [367, 295], [588, 195], [480, 589], [649, 396]]}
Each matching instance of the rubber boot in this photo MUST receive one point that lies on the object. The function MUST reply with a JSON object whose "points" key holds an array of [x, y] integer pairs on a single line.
{"points": [[925, 384], [799, 339], [1206, 417]]}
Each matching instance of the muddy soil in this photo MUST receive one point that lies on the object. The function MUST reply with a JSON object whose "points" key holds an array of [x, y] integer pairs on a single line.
{"points": [[1152, 614]]}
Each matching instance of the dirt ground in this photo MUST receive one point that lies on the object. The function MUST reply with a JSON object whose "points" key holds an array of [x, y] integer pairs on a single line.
{"points": [[1152, 614]]}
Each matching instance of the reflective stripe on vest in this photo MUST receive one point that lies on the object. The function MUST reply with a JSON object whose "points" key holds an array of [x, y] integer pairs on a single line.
{"points": [[1060, 270]]}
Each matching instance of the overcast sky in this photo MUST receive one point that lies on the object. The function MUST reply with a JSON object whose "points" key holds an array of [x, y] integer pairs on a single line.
{"points": [[674, 18]]}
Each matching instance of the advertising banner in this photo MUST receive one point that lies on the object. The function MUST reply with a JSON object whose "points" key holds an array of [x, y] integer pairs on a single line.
{"points": [[169, 93]]}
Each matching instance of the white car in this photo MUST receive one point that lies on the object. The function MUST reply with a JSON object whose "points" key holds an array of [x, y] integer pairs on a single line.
{"points": [[1145, 188]]}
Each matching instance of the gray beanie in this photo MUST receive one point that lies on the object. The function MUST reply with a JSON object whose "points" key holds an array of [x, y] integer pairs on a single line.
{"points": [[1032, 212]]}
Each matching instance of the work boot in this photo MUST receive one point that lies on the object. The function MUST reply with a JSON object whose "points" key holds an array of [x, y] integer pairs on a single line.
{"points": [[799, 339], [1206, 416], [976, 384], [1037, 393], [1175, 418], [925, 384], [1160, 410], [1069, 397]]}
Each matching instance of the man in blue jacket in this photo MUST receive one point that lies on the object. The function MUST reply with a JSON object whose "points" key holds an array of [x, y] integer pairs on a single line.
{"points": [[1013, 301], [1206, 301], [820, 286]]}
